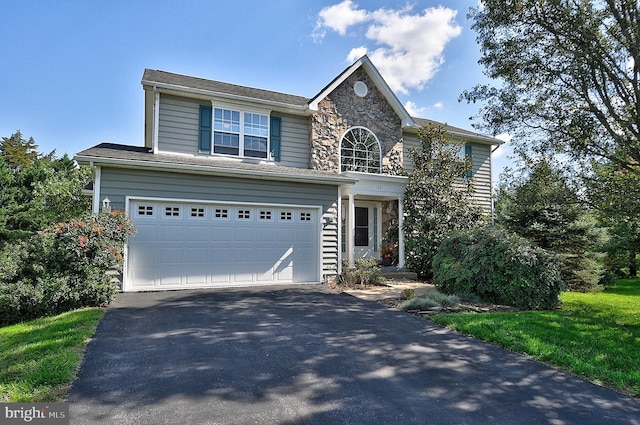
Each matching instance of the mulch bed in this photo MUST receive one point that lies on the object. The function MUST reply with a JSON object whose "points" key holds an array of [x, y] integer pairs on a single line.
{"points": [[459, 308]]}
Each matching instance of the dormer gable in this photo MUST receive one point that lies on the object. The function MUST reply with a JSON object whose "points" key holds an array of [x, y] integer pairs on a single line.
{"points": [[365, 64]]}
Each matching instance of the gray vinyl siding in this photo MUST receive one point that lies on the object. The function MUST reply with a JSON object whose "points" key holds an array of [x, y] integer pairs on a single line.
{"points": [[294, 150], [179, 125], [481, 171], [409, 141], [117, 183], [481, 155]]}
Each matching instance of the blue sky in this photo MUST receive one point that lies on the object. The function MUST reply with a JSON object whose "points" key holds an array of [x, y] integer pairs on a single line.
{"points": [[72, 68]]}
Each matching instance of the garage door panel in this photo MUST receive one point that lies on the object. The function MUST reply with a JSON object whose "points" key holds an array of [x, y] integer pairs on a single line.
{"points": [[145, 232], [285, 234], [200, 232], [244, 234], [199, 245], [305, 235], [284, 271], [221, 274], [143, 277], [170, 255], [197, 255], [169, 276], [170, 232], [198, 274]]}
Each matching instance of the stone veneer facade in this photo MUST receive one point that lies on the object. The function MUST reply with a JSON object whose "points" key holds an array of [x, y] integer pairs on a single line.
{"points": [[343, 109]]}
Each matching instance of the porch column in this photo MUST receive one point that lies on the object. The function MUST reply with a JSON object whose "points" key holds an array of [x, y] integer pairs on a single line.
{"points": [[400, 234], [351, 230]]}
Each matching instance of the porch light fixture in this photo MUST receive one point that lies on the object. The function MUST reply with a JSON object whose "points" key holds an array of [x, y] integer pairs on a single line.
{"points": [[106, 205]]}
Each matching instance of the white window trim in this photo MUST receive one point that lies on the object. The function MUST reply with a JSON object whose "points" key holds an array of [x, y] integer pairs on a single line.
{"points": [[377, 141], [241, 110]]}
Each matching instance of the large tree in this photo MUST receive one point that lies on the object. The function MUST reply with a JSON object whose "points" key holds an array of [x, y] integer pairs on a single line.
{"points": [[438, 198], [540, 203], [569, 74], [37, 190], [17, 151], [614, 192]]}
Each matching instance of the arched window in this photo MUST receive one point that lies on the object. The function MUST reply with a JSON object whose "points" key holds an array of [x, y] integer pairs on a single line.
{"points": [[360, 151]]}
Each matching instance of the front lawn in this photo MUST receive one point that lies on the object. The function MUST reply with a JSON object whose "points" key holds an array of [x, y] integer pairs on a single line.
{"points": [[39, 358], [594, 335]]}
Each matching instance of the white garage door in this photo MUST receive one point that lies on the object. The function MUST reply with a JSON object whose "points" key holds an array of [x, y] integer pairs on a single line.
{"points": [[195, 245]]}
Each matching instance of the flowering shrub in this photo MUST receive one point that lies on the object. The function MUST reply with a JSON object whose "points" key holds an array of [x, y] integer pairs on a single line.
{"points": [[63, 267], [96, 240]]}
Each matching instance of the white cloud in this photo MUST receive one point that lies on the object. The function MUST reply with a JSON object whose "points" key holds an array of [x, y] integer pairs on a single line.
{"points": [[414, 110], [503, 148], [420, 111], [410, 44], [356, 53], [338, 18]]}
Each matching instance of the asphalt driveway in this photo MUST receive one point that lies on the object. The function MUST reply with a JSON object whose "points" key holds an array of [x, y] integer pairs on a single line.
{"points": [[306, 355]]}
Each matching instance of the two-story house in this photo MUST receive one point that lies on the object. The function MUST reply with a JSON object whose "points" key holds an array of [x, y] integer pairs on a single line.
{"points": [[242, 186]]}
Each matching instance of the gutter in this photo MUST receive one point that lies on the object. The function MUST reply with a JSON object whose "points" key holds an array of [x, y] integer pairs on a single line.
{"points": [[218, 171], [208, 93]]}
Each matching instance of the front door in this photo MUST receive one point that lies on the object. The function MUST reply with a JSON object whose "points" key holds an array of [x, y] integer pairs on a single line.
{"points": [[366, 231]]}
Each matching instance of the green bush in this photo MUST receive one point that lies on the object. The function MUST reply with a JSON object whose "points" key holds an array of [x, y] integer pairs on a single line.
{"points": [[62, 268], [499, 268], [408, 293], [365, 272]]}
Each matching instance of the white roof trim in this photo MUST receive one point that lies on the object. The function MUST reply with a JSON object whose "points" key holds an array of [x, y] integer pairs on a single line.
{"points": [[366, 63], [218, 171], [177, 89]]}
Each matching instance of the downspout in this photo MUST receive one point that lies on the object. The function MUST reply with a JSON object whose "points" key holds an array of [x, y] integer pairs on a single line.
{"points": [[493, 215], [339, 230], [97, 173], [156, 118], [351, 228], [401, 252]]}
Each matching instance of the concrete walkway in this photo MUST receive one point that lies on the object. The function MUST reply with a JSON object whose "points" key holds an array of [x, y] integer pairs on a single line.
{"points": [[392, 289]]}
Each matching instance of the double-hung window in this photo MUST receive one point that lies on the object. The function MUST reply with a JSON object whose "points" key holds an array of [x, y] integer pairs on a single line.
{"points": [[226, 131], [240, 133]]}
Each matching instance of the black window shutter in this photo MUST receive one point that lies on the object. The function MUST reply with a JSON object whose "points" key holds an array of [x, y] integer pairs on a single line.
{"points": [[205, 129], [276, 123]]}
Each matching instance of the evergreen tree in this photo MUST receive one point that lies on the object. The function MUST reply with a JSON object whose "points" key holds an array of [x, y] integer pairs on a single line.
{"points": [[543, 207], [18, 152]]}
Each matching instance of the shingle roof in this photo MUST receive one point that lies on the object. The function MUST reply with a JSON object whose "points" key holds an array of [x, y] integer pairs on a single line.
{"points": [[163, 77], [137, 156], [423, 122], [152, 76]]}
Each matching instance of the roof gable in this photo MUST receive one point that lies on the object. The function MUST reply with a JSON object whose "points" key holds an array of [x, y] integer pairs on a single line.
{"points": [[366, 64]]}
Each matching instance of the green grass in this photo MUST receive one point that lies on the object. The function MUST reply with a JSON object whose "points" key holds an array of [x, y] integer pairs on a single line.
{"points": [[39, 358], [593, 335]]}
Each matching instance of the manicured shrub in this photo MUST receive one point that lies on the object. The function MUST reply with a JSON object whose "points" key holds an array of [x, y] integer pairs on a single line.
{"points": [[408, 293], [499, 268], [365, 272], [62, 268]]}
